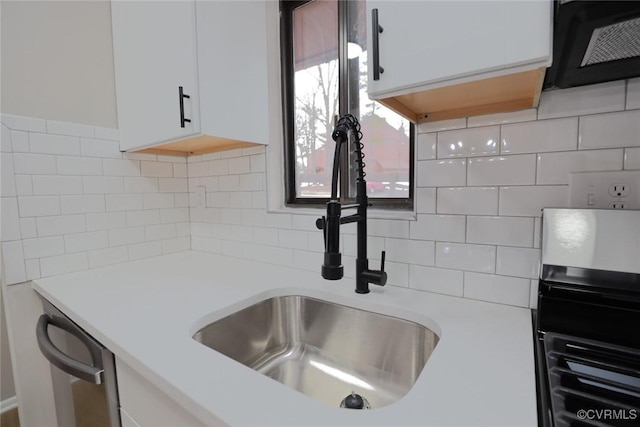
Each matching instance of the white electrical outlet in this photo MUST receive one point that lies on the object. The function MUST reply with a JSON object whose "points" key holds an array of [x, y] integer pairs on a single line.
{"points": [[605, 190]]}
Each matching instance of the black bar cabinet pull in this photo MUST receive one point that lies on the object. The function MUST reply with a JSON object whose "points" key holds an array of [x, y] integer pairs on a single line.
{"points": [[181, 97], [376, 30]]}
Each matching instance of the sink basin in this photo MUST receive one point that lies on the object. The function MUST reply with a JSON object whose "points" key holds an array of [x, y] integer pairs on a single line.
{"points": [[325, 350]]}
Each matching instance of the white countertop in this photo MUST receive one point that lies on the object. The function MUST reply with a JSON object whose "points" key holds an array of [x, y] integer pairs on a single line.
{"points": [[480, 373]]}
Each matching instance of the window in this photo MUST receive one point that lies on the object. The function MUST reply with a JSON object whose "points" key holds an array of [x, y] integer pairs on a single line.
{"points": [[324, 72]]}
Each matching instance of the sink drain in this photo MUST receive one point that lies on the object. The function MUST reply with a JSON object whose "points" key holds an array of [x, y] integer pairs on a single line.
{"points": [[355, 401]]}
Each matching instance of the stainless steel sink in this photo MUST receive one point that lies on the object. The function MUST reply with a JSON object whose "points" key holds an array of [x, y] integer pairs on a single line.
{"points": [[325, 350]]}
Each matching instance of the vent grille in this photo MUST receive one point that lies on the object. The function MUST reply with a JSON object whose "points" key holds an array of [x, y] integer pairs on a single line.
{"points": [[613, 42]]}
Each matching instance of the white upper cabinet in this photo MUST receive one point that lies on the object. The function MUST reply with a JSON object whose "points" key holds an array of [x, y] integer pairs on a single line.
{"points": [[425, 45], [216, 51], [154, 45], [232, 65]]}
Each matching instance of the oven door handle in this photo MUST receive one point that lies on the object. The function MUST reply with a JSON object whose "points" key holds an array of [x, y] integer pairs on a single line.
{"points": [[91, 373]]}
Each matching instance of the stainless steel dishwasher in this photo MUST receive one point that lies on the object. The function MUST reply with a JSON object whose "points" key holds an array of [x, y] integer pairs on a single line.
{"points": [[82, 371]]}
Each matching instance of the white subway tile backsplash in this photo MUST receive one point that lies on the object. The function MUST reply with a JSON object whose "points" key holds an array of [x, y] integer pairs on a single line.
{"points": [[438, 280], [13, 260], [238, 165], [20, 141], [442, 125], [529, 200], [123, 202], [425, 200], [108, 256], [106, 133], [240, 200], [633, 94], [9, 219], [442, 173], [69, 129], [68, 165], [180, 170], [218, 167], [100, 148], [103, 184], [85, 241], [158, 200], [173, 185], [126, 236], [57, 184], [610, 130], [459, 256], [500, 289], [61, 264], [467, 200], [6, 145], [54, 144], [540, 136], [292, 239], [257, 149], [537, 232], [469, 142], [32, 267], [503, 170], [426, 146], [140, 156], [24, 123], [494, 230], [554, 168], [229, 182], [43, 247], [160, 232], [121, 167], [157, 169], [631, 158], [592, 99], [398, 274], [265, 236], [7, 178], [140, 184], [28, 228], [420, 252], [519, 262], [448, 228], [174, 215], [237, 152], [251, 182], [24, 185], [145, 217], [34, 164], [38, 205], [144, 250], [258, 163], [60, 225], [105, 221], [502, 118], [82, 204], [177, 244]]}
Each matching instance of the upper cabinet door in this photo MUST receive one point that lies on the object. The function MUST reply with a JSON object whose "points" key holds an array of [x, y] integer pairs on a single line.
{"points": [[234, 71], [154, 46], [429, 42]]}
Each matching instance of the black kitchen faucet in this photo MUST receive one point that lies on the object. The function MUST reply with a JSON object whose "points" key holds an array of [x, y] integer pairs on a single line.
{"points": [[332, 268]]}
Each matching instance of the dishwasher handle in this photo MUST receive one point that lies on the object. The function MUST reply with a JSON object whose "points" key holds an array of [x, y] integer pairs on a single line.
{"points": [[91, 373]]}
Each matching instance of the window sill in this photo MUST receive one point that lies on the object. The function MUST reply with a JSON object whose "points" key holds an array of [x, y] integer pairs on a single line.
{"points": [[371, 213]]}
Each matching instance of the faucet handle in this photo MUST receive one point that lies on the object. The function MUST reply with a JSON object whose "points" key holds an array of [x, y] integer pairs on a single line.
{"points": [[384, 253], [321, 224]]}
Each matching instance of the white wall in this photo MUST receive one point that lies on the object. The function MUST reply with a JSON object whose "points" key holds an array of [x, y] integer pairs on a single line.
{"points": [[57, 61], [478, 207], [7, 386]]}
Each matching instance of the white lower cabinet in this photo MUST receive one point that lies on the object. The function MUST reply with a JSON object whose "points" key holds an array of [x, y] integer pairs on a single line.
{"points": [[144, 405]]}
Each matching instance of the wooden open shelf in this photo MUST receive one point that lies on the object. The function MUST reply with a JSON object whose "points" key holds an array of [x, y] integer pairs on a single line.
{"points": [[198, 145], [493, 95]]}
